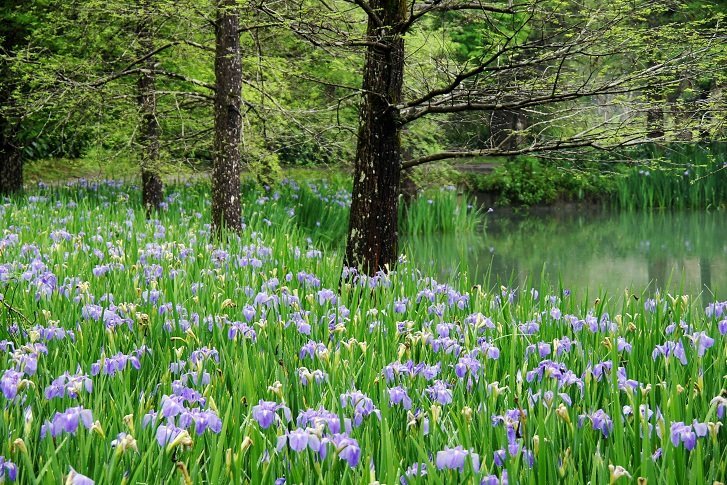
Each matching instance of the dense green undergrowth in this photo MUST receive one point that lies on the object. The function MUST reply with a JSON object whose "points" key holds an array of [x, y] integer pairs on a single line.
{"points": [[673, 177]]}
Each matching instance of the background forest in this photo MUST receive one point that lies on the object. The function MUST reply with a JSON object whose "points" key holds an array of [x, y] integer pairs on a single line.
{"points": [[70, 78]]}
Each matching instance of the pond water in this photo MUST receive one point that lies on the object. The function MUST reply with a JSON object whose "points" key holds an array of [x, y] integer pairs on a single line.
{"points": [[597, 251]]}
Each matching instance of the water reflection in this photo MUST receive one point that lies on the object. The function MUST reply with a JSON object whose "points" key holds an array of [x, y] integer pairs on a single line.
{"points": [[681, 252]]}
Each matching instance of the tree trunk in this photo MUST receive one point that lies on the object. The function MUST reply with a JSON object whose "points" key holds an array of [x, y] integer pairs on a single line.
{"points": [[373, 225], [226, 212], [11, 164], [152, 189], [655, 120]]}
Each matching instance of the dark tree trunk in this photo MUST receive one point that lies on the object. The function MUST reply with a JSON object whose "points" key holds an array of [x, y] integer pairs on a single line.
{"points": [[152, 189], [228, 120], [655, 120], [11, 164], [502, 125], [12, 35], [373, 225]]}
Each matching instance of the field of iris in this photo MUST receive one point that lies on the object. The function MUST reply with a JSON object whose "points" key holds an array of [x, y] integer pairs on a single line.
{"points": [[141, 351]]}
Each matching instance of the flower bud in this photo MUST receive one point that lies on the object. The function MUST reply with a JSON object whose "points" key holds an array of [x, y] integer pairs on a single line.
{"points": [[185, 473], [618, 472], [19, 445], [28, 417], [402, 350], [96, 428], [183, 439], [467, 413], [436, 412], [562, 413], [129, 422], [714, 428], [277, 389], [124, 442], [563, 468], [228, 461], [228, 303]]}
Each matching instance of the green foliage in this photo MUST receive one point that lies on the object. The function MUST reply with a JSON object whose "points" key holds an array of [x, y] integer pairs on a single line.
{"points": [[522, 181], [264, 165], [678, 177], [440, 211]]}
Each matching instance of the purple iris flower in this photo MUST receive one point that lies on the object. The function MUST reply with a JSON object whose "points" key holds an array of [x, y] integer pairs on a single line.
{"points": [[439, 392], [650, 305], [681, 433], [500, 457], [716, 309], [493, 480], [243, 329], [311, 349], [75, 478], [622, 345], [486, 347], [204, 353], [416, 470], [10, 382], [202, 421], [325, 296], [347, 448], [543, 349], [721, 404], [455, 458], [265, 412], [68, 385], [670, 348], [529, 328], [467, 364], [399, 395], [111, 365], [8, 470], [248, 312], [166, 433], [299, 439], [564, 345], [511, 418], [67, 421], [307, 376], [701, 341], [362, 405], [599, 420]]}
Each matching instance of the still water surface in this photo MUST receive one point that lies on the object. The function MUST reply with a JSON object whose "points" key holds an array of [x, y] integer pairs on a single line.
{"points": [[679, 252]]}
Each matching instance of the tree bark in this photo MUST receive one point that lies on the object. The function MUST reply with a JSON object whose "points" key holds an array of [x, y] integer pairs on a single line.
{"points": [[226, 213], [11, 163], [152, 189], [373, 223], [655, 120]]}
